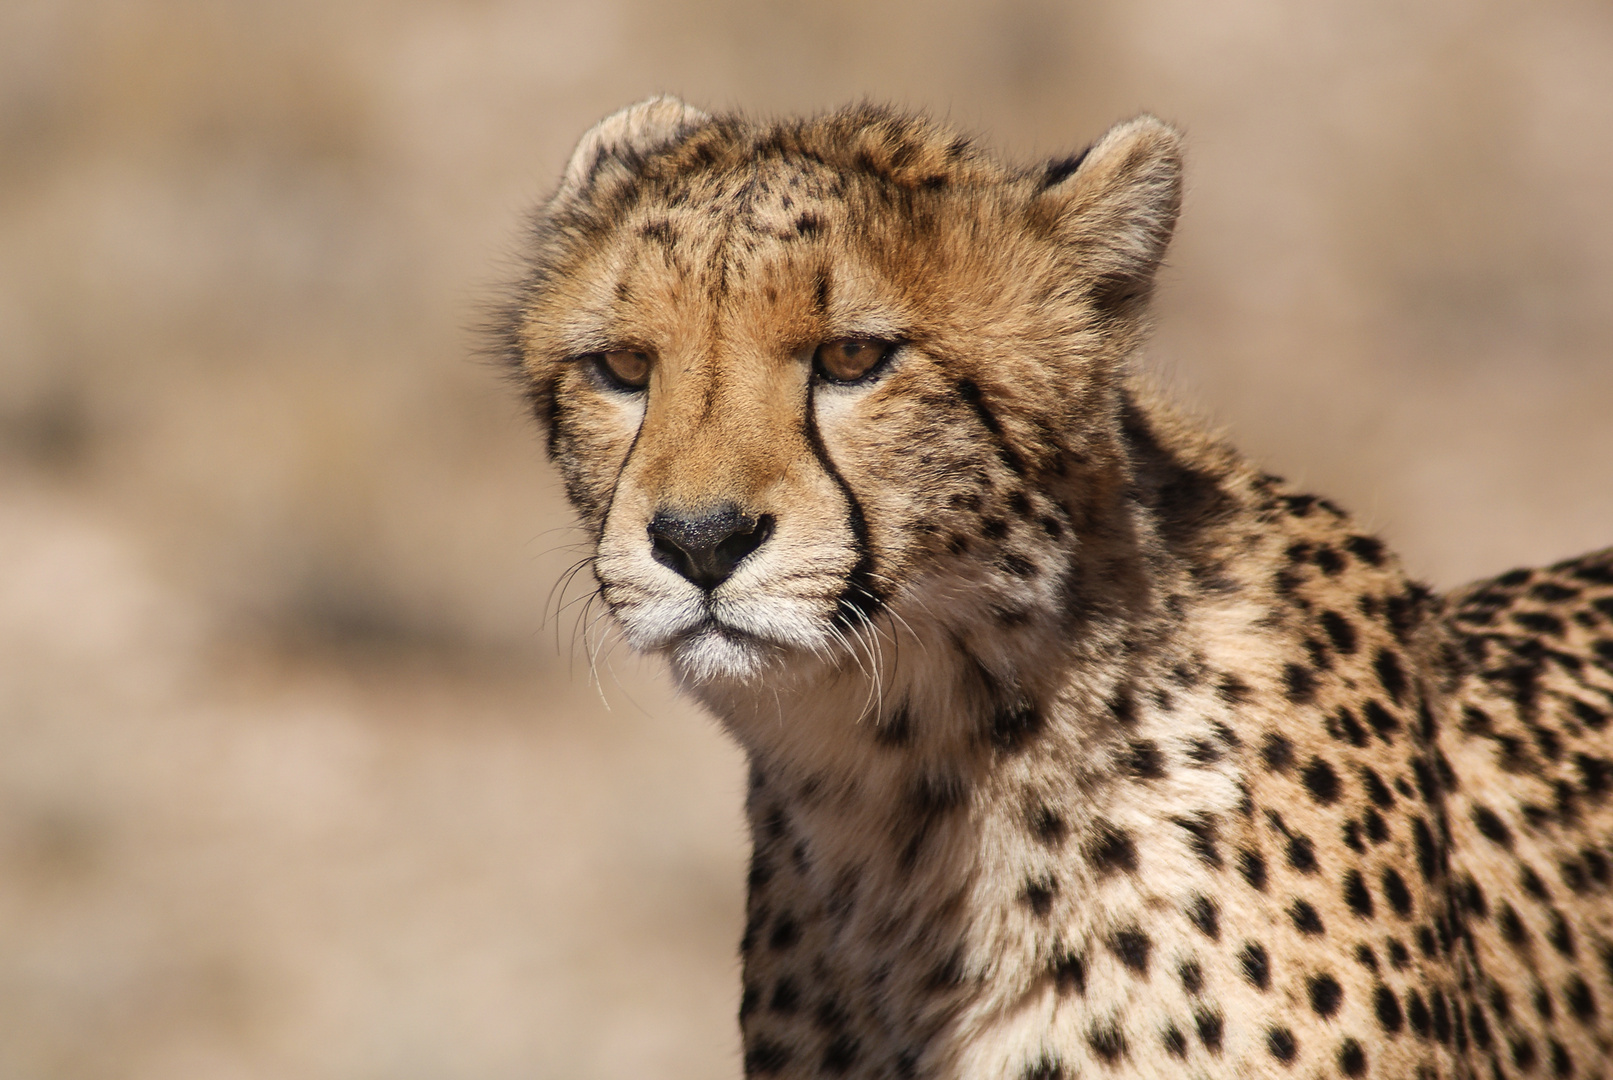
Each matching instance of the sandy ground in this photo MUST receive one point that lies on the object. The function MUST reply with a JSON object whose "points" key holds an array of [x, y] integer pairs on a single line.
{"points": [[301, 774]]}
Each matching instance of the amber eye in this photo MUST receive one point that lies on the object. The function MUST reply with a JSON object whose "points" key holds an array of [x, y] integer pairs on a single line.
{"points": [[624, 369], [849, 359]]}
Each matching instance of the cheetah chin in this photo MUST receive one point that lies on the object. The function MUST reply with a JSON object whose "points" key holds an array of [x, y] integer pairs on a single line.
{"points": [[1078, 745]]}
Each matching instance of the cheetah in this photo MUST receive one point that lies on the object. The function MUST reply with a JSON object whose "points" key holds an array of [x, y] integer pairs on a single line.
{"points": [[1078, 745]]}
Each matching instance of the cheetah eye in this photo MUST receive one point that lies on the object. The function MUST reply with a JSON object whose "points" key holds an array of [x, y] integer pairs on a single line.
{"points": [[623, 369], [850, 359]]}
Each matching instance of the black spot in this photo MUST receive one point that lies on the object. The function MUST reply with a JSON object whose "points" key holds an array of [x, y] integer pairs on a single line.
{"points": [[1344, 726], [1330, 561], [1210, 1027], [1107, 1042], [786, 996], [1366, 957], [1306, 920], [1559, 935], [1543, 1005], [1123, 707], [1430, 861], [1377, 829], [1112, 850], [1352, 1059], [748, 1000], [1015, 725], [1144, 760], [1394, 887], [1596, 865], [1531, 883], [1511, 925], [830, 1016], [1561, 1064], [1325, 994], [1278, 752], [840, 1055], [786, 932], [1369, 549], [763, 1057], [1494, 829], [1399, 956], [1256, 966], [933, 794], [1047, 826], [1425, 941], [1205, 916], [1427, 785], [1131, 946], [1322, 781], [1390, 674], [1299, 683], [1387, 1006], [1070, 973], [1280, 1041], [1302, 854], [897, 731], [1253, 868], [1382, 720], [1421, 1020], [1499, 1003], [1174, 1041], [1538, 621], [1038, 894], [1479, 1026], [1043, 1068], [1202, 830], [761, 871], [1356, 894], [1192, 976], [1442, 1016], [1523, 1053], [1596, 775], [1580, 1001], [1232, 690], [1588, 714]]}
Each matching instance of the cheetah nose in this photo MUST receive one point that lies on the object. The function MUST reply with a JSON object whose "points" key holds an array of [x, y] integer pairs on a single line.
{"points": [[705, 548]]}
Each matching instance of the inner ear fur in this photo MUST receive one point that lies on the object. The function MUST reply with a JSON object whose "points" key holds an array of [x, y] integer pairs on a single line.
{"points": [[1113, 209], [624, 138]]}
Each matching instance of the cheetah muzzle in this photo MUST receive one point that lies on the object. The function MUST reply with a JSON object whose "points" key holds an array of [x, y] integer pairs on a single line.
{"points": [[1078, 745]]}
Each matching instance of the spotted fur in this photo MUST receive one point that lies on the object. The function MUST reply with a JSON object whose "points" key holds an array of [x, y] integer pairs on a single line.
{"points": [[1078, 746]]}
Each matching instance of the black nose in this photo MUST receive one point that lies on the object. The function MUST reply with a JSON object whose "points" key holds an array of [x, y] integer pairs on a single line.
{"points": [[706, 547]]}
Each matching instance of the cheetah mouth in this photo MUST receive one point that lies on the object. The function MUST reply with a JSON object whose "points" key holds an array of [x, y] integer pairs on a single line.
{"points": [[713, 649]]}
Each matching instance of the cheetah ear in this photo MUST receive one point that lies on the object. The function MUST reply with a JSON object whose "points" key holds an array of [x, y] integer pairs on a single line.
{"points": [[621, 141], [1114, 207]]}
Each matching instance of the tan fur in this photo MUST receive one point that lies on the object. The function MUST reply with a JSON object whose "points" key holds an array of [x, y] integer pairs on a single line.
{"points": [[1078, 745]]}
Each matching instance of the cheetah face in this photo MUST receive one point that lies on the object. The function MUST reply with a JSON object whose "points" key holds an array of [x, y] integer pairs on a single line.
{"points": [[800, 379]]}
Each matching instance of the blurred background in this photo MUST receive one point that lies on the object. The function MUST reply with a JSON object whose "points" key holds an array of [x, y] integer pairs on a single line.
{"points": [[300, 777]]}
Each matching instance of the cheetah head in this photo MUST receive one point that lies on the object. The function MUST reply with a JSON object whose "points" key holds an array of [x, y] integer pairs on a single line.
{"points": [[806, 381]]}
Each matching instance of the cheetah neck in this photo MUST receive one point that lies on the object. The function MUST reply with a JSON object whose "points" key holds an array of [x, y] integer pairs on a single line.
{"points": [[962, 837]]}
